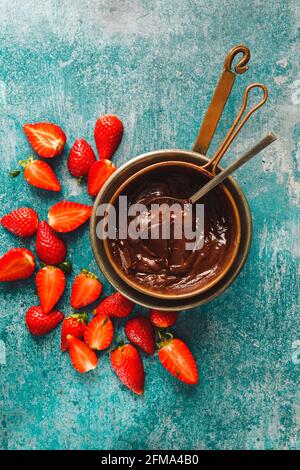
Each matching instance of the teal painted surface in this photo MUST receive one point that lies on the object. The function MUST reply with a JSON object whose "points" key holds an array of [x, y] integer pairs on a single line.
{"points": [[155, 63]]}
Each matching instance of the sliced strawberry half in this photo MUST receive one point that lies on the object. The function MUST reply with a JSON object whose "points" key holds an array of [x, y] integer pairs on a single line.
{"points": [[99, 333], [85, 290], [176, 357], [40, 174], [17, 263], [66, 216], [83, 358], [99, 173], [47, 139], [50, 284]]}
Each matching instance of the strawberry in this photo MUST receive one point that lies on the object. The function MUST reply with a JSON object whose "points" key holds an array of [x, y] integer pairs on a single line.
{"points": [[116, 305], [81, 158], [40, 323], [99, 333], [50, 284], [47, 139], [176, 357], [74, 325], [162, 319], [49, 247], [99, 173], [140, 332], [108, 134], [83, 358], [17, 263], [127, 363], [22, 222], [66, 216], [40, 174], [85, 290]]}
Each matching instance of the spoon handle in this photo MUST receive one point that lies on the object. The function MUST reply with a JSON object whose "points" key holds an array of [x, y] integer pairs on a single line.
{"points": [[262, 144]]}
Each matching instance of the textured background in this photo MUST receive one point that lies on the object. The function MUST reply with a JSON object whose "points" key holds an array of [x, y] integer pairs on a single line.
{"points": [[155, 63]]}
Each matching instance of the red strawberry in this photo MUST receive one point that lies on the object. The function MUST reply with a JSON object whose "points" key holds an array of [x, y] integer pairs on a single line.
{"points": [[83, 358], [176, 357], [40, 323], [99, 173], [127, 363], [50, 284], [108, 134], [85, 290], [74, 325], [99, 333], [116, 305], [47, 139], [140, 332], [40, 174], [81, 158], [49, 247], [162, 319], [22, 222], [66, 216], [17, 263]]}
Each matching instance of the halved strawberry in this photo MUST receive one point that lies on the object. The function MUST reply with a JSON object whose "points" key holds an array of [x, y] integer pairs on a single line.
{"points": [[17, 263], [40, 174], [99, 173], [176, 357], [81, 158], [74, 325], [50, 284], [83, 358], [47, 139], [163, 319], [22, 222], [99, 333], [66, 216], [85, 290], [116, 305], [108, 134], [127, 363]]}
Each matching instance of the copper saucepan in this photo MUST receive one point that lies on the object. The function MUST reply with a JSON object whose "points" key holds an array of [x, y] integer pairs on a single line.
{"points": [[194, 161]]}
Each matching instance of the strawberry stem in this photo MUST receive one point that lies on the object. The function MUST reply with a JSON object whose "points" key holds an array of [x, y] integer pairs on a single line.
{"points": [[89, 274], [14, 173], [65, 266], [25, 163], [164, 338]]}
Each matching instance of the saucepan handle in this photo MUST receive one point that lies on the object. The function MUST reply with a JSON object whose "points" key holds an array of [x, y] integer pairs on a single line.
{"points": [[220, 97], [237, 125]]}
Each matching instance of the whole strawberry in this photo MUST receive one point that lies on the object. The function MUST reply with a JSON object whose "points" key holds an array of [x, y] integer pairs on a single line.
{"points": [[81, 158], [74, 325], [16, 264], [116, 305], [162, 319], [108, 134], [49, 247], [140, 332], [127, 363], [22, 222], [85, 290], [40, 323]]}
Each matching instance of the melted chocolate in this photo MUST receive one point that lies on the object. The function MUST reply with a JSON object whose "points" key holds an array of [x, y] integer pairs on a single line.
{"points": [[166, 265]]}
